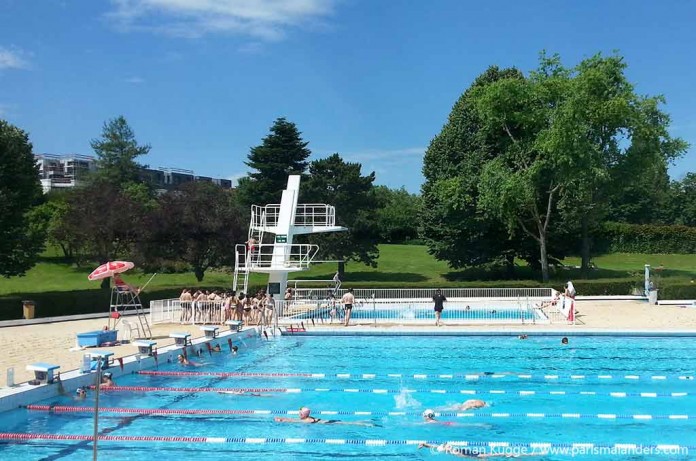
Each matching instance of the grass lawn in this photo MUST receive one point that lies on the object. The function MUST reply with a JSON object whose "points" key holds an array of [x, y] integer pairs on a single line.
{"points": [[399, 265]]}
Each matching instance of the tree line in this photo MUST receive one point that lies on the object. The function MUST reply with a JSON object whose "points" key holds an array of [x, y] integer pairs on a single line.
{"points": [[526, 166]]}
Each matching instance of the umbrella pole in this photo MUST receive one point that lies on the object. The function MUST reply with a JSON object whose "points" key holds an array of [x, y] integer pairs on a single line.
{"points": [[148, 282]]}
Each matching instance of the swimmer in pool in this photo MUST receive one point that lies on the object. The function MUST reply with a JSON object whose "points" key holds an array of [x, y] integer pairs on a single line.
{"points": [[80, 393], [429, 418], [463, 452], [471, 405], [305, 418]]}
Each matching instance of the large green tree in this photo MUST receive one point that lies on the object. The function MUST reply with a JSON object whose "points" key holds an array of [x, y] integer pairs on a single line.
{"points": [[339, 183], [19, 190], [397, 214], [117, 151], [613, 134], [453, 226], [567, 131], [196, 224], [282, 153], [105, 221]]}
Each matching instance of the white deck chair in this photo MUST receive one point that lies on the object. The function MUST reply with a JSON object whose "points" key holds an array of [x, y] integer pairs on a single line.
{"points": [[128, 328]]}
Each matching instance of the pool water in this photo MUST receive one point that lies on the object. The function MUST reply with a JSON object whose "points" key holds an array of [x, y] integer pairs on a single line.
{"points": [[537, 389], [406, 313]]}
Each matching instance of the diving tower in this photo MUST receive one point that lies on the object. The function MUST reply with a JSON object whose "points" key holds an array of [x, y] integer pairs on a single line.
{"points": [[270, 249]]}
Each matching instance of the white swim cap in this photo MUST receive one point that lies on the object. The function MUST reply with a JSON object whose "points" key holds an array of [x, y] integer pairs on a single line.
{"points": [[428, 413]]}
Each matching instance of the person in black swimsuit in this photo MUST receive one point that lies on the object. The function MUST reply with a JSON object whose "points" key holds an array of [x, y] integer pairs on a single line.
{"points": [[307, 419], [439, 300]]}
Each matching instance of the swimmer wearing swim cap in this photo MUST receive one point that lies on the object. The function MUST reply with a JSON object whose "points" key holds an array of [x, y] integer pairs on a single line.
{"points": [[306, 418]]}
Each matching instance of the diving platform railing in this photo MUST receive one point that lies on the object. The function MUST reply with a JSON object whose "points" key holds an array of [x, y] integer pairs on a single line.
{"points": [[292, 257], [314, 215]]}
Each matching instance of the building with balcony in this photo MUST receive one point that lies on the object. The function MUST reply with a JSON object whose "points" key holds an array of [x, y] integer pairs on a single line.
{"points": [[62, 171]]}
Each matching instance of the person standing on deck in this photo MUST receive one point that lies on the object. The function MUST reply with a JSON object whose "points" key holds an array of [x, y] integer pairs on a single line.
{"points": [[348, 300], [439, 300]]}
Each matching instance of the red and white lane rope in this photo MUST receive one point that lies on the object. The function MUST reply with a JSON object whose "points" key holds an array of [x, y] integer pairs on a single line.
{"points": [[453, 414], [251, 390]]}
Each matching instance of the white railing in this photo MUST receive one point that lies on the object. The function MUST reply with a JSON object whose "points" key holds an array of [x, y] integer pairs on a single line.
{"points": [[313, 306], [275, 256], [207, 313], [308, 214]]}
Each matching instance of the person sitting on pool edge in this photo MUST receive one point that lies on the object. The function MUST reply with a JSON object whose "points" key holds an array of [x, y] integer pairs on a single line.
{"points": [[305, 418]]}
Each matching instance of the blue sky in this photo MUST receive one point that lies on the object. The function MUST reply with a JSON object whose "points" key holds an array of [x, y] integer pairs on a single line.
{"points": [[203, 80]]}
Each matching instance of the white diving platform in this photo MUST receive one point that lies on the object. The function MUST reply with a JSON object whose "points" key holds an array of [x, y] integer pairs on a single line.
{"points": [[144, 347], [181, 339], [278, 256]]}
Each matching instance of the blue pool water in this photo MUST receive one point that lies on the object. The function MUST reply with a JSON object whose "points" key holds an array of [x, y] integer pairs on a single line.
{"points": [[528, 384], [419, 313]]}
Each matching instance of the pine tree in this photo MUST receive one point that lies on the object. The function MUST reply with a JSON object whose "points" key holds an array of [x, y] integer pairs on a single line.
{"points": [[282, 153]]}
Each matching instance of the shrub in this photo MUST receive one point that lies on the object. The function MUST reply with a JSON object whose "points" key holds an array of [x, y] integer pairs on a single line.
{"points": [[646, 239]]}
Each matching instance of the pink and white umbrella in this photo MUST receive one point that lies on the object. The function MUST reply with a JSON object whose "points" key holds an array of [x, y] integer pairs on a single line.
{"points": [[110, 269]]}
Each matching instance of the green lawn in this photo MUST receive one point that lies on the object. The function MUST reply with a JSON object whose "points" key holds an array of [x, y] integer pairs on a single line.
{"points": [[399, 265]]}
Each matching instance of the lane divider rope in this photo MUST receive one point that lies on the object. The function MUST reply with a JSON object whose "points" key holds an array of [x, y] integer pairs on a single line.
{"points": [[467, 376], [453, 414], [540, 446], [243, 390]]}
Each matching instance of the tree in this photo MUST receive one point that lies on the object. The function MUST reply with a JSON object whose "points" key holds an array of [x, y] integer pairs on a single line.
{"points": [[569, 132], [102, 220], [683, 201], [117, 150], [282, 153], [522, 184], [19, 189], [197, 224], [453, 226], [341, 184], [397, 215], [612, 134]]}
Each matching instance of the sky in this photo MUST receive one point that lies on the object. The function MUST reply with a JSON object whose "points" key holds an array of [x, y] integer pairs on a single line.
{"points": [[202, 81]]}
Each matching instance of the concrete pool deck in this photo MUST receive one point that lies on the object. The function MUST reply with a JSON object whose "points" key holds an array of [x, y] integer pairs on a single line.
{"points": [[51, 342]]}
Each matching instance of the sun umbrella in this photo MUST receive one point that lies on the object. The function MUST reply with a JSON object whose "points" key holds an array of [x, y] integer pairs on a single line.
{"points": [[110, 269]]}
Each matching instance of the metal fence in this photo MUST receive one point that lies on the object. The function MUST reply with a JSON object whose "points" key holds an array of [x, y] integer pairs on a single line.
{"points": [[312, 306]]}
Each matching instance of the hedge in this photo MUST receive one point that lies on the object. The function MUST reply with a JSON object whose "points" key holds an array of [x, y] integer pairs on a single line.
{"points": [[58, 303], [646, 239]]}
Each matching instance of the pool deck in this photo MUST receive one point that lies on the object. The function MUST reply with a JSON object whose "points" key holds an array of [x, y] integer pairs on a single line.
{"points": [[52, 342]]}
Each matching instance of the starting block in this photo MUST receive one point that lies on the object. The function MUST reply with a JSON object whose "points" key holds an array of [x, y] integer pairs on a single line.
{"points": [[106, 358], [144, 346], [210, 331], [181, 339], [43, 372], [235, 325]]}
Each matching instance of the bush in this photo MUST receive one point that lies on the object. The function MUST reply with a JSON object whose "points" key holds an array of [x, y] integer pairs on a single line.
{"points": [[646, 239], [59, 303], [678, 291]]}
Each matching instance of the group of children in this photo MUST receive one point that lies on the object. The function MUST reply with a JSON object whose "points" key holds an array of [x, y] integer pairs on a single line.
{"points": [[203, 306]]}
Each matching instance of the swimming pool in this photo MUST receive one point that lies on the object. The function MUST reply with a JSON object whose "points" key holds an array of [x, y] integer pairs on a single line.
{"points": [[492, 313], [597, 390]]}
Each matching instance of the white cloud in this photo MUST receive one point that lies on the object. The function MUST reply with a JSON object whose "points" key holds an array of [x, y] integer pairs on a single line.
{"points": [[12, 59], [386, 154], [261, 19], [134, 80]]}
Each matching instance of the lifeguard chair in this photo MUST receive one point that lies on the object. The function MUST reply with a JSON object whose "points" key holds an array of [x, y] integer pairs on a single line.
{"points": [[126, 299]]}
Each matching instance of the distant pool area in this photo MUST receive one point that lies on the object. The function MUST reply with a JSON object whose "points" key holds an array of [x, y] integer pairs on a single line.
{"points": [[597, 393], [406, 313]]}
